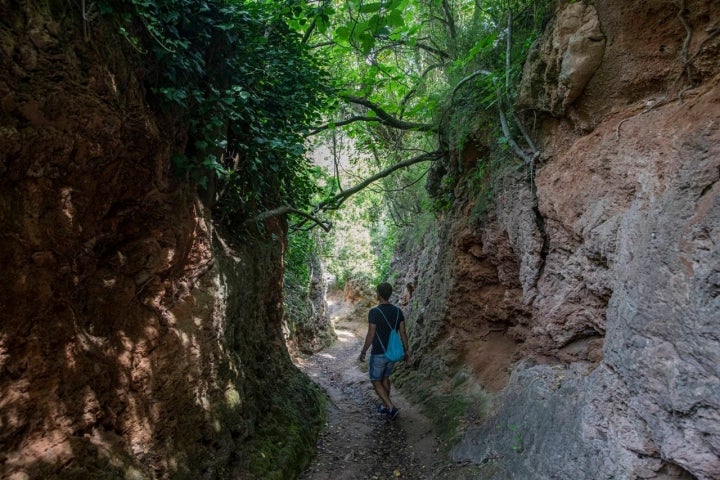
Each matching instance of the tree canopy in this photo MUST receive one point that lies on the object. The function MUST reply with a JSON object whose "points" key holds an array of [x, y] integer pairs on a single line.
{"points": [[255, 82], [413, 76]]}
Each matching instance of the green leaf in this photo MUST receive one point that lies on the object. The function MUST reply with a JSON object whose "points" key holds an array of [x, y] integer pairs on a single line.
{"points": [[367, 42], [370, 7], [342, 34], [395, 18]]}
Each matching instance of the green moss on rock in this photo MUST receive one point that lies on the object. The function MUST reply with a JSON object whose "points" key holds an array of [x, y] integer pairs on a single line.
{"points": [[285, 437]]}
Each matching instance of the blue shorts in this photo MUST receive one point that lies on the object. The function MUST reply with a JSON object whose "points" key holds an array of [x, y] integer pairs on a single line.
{"points": [[380, 367]]}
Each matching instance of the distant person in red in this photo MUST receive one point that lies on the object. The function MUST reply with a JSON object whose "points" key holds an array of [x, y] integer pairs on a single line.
{"points": [[381, 320]]}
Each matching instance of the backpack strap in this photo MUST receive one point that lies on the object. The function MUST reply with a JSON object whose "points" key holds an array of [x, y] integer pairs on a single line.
{"points": [[377, 334], [386, 320], [397, 318]]}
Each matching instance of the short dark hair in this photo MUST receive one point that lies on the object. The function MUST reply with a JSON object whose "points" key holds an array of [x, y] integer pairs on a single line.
{"points": [[385, 290]]}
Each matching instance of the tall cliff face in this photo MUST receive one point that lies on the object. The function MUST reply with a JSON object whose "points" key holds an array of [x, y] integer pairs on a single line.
{"points": [[134, 343], [586, 302]]}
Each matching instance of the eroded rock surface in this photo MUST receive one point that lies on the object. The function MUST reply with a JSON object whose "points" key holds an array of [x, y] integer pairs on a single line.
{"points": [[653, 401], [568, 57], [598, 275], [133, 342]]}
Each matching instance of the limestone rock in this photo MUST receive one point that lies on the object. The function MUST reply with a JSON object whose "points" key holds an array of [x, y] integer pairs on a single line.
{"points": [[565, 60]]}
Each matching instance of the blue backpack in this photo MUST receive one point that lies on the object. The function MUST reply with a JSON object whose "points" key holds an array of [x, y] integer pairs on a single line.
{"points": [[394, 351]]}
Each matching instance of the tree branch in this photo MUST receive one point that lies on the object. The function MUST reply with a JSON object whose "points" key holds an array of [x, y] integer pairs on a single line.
{"points": [[529, 159], [467, 79], [340, 123], [508, 45], [309, 32], [330, 204], [526, 135], [413, 91], [433, 50], [452, 31], [382, 117], [427, 48], [336, 201], [284, 210], [313, 24], [336, 162], [421, 46], [321, 44], [387, 119], [511, 141]]}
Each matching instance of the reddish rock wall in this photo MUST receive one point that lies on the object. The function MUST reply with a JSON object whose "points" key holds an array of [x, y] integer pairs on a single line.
{"points": [[133, 342], [593, 291]]}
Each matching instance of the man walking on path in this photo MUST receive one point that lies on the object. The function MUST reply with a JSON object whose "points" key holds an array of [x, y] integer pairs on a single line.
{"points": [[381, 320]]}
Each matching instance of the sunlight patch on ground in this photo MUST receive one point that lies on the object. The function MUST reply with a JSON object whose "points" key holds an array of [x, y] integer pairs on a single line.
{"points": [[344, 336], [325, 355], [302, 362]]}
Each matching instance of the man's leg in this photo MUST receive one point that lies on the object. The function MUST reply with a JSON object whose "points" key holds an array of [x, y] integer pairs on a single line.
{"points": [[378, 366], [379, 387], [386, 384], [392, 411]]}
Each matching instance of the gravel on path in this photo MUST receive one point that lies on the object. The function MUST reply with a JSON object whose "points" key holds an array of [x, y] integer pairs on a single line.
{"points": [[359, 443]]}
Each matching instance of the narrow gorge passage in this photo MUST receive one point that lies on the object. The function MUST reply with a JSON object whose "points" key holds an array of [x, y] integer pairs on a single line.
{"points": [[356, 442]]}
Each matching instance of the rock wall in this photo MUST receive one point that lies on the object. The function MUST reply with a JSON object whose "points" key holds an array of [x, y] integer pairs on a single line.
{"points": [[593, 287], [133, 342], [306, 320]]}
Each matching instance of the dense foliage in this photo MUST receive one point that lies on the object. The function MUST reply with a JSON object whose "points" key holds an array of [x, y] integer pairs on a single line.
{"points": [[254, 82], [417, 76], [243, 84]]}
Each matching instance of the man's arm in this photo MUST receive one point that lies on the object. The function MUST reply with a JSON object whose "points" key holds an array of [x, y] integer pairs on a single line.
{"points": [[368, 340]]}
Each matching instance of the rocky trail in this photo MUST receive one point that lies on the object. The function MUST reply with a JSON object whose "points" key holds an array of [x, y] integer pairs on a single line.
{"points": [[357, 442]]}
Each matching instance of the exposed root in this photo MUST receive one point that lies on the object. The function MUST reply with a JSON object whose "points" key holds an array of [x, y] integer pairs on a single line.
{"points": [[687, 60], [688, 33], [712, 33], [652, 107]]}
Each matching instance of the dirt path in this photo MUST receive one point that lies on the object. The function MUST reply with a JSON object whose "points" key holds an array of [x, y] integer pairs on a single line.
{"points": [[357, 442]]}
